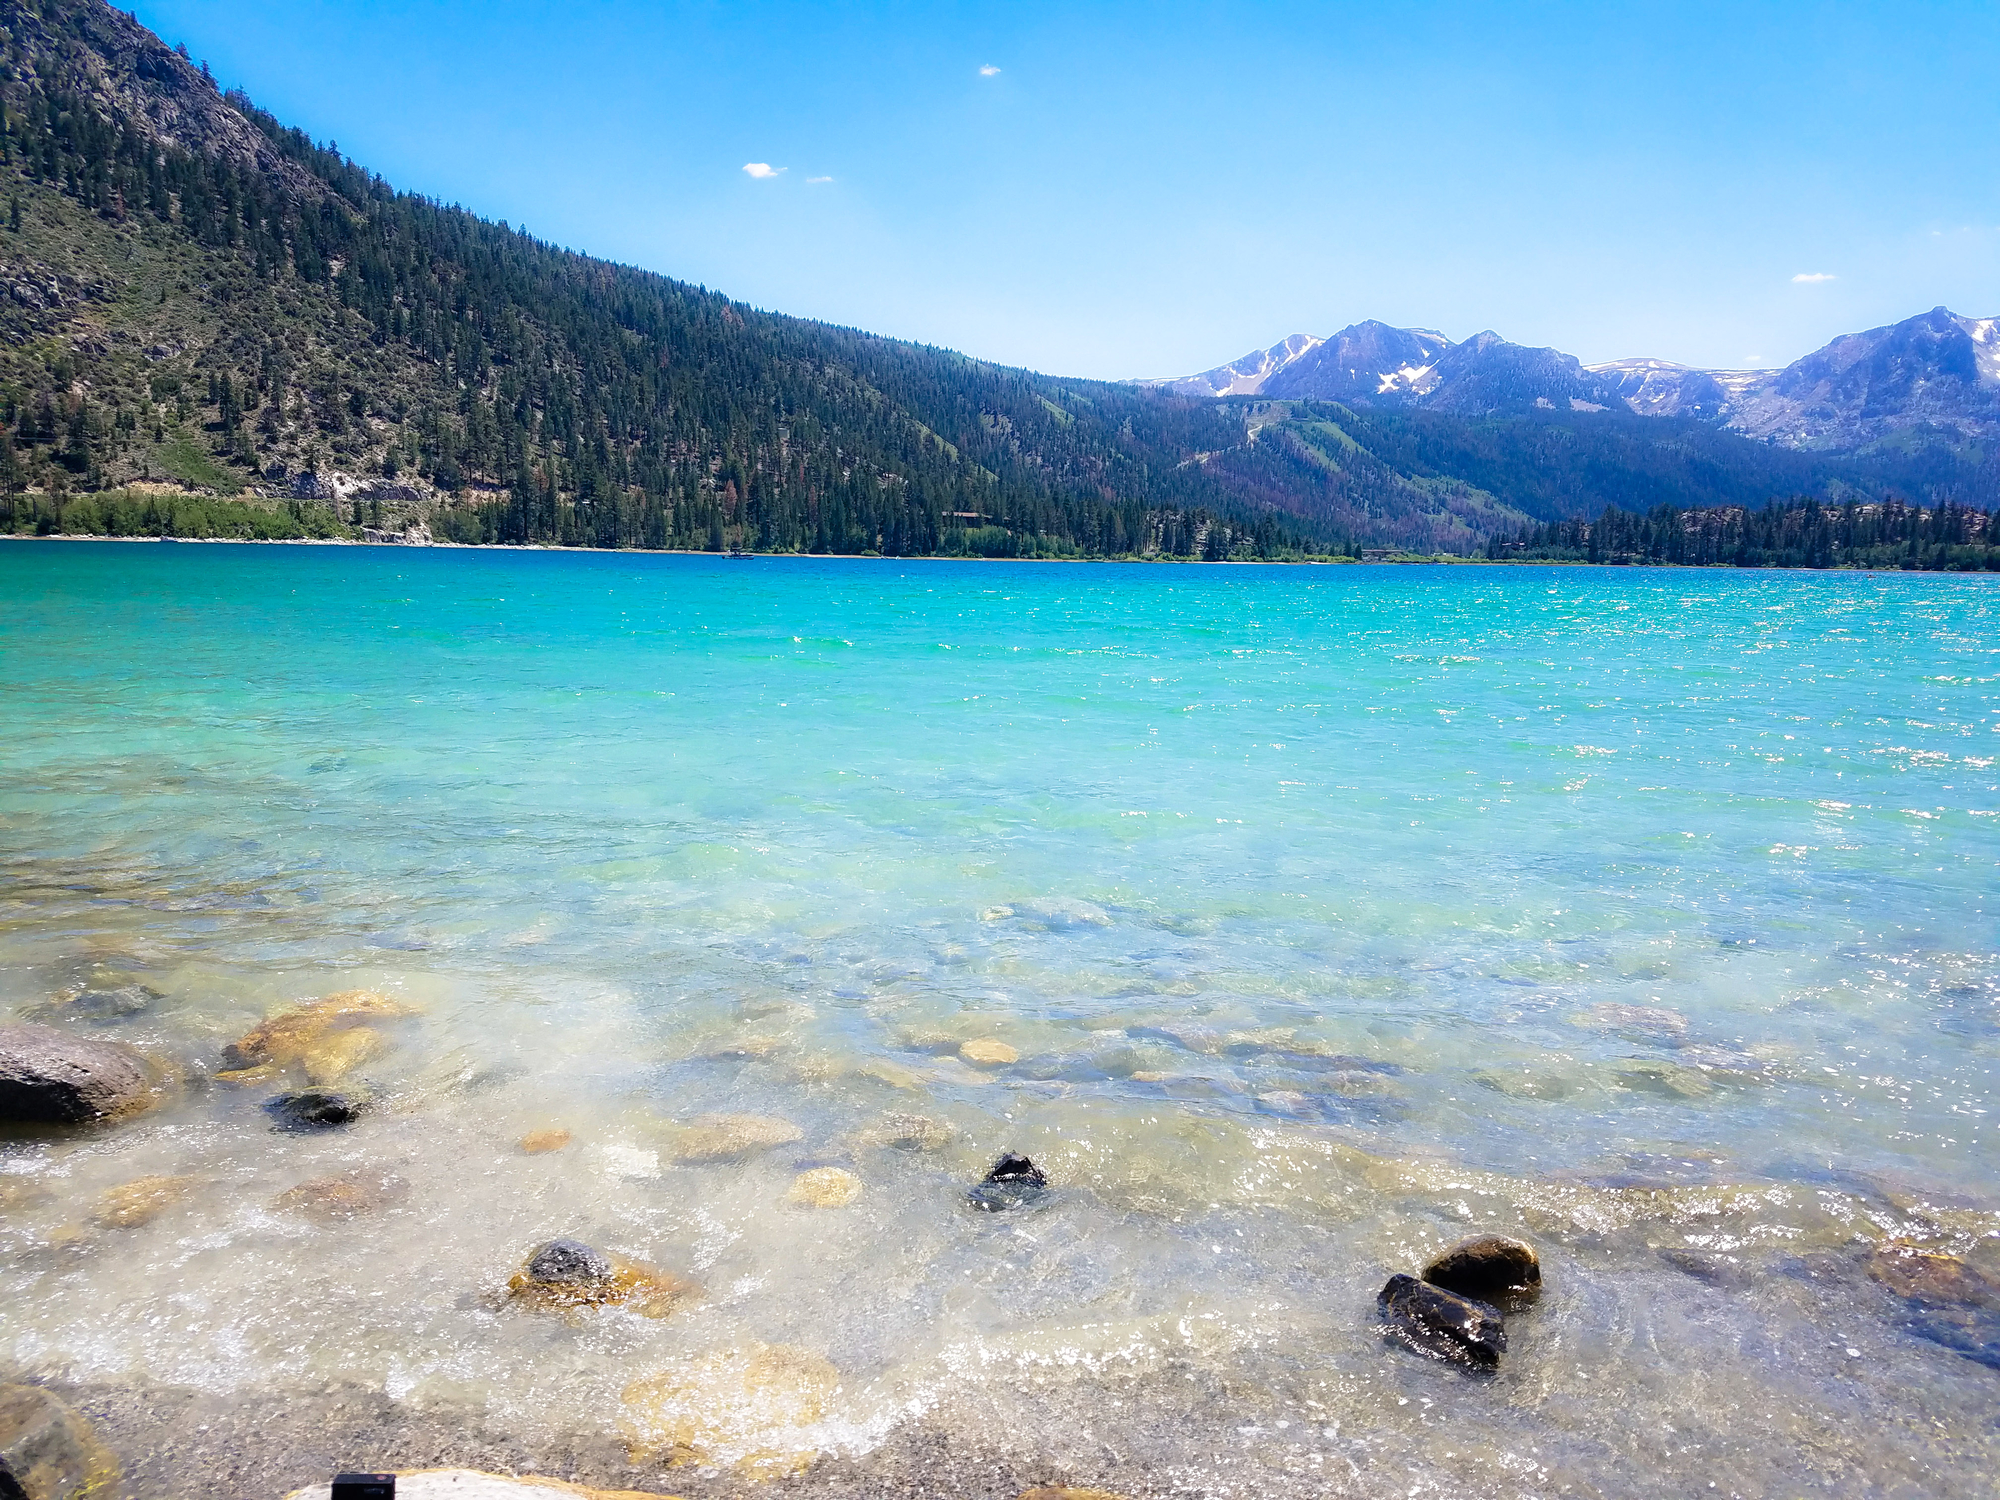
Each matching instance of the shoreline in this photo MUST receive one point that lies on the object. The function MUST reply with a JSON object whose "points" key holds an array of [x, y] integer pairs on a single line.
{"points": [[1261, 562]]}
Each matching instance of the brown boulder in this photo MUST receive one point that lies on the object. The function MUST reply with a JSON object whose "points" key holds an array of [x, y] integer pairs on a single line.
{"points": [[1489, 1268], [49, 1077], [292, 1035], [566, 1274]]}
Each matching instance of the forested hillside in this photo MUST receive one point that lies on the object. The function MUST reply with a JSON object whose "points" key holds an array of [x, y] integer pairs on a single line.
{"points": [[1795, 534], [201, 295]]}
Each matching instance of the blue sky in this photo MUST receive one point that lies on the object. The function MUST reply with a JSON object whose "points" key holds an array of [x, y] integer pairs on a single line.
{"points": [[1113, 190]]}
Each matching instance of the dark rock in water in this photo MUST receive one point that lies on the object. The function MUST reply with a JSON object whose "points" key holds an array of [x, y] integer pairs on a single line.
{"points": [[1949, 1302], [569, 1263], [312, 1109], [105, 1003], [47, 1451], [1716, 1270], [1013, 1182], [1443, 1323], [49, 1077], [1489, 1268], [1970, 1331]]}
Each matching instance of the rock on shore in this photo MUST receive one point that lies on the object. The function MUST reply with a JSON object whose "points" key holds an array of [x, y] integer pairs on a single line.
{"points": [[50, 1077]]}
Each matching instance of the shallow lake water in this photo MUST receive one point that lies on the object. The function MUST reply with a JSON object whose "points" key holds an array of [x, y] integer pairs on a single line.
{"points": [[1297, 921]]}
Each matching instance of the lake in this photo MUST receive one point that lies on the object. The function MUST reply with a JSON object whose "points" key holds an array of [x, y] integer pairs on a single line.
{"points": [[1297, 921]]}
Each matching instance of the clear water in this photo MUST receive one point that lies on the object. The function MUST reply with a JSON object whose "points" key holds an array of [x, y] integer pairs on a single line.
{"points": [[1326, 887]]}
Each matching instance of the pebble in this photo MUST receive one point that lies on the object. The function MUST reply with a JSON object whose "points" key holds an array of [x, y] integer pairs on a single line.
{"points": [[140, 1201], [988, 1052], [1442, 1323], [540, 1142], [1066, 1492], [1489, 1268], [824, 1187], [312, 1109], [1014, 1182], [51, 1077], [48, 1451]]}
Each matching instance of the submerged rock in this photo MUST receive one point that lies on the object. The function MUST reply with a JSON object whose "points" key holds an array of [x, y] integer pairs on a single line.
{"points": [[709, 1138], [1653, 1022], [1665, 1079], [743, 1408], [540, 1142], [313, 1109], [1715, 1270], [1924, 1276], [141, 1201], [1014, 1182], [50, 1077], [903, 1132], [290, 1035], [22, 1192], [988, 1052], [47, 1451], [568, 1275], [1062, 913], [1192, 1035], [824, 1187], [335, 1200], [99, 1003], [250, 1078], [339, 1053], [569, 1263], [1441, 1323], [1489, 1268]]}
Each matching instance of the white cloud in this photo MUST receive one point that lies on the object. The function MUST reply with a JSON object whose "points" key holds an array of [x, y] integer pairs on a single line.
{"points": [[761, 169], [819, 179], [1813, 278], [988, 71]]}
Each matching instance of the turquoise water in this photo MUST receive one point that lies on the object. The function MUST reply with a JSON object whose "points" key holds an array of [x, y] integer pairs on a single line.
{"points": [[1330, 914]]}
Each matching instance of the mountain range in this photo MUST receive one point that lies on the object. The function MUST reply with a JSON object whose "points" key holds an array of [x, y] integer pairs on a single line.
{"points": [[201, 304], [1934, 377]]}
